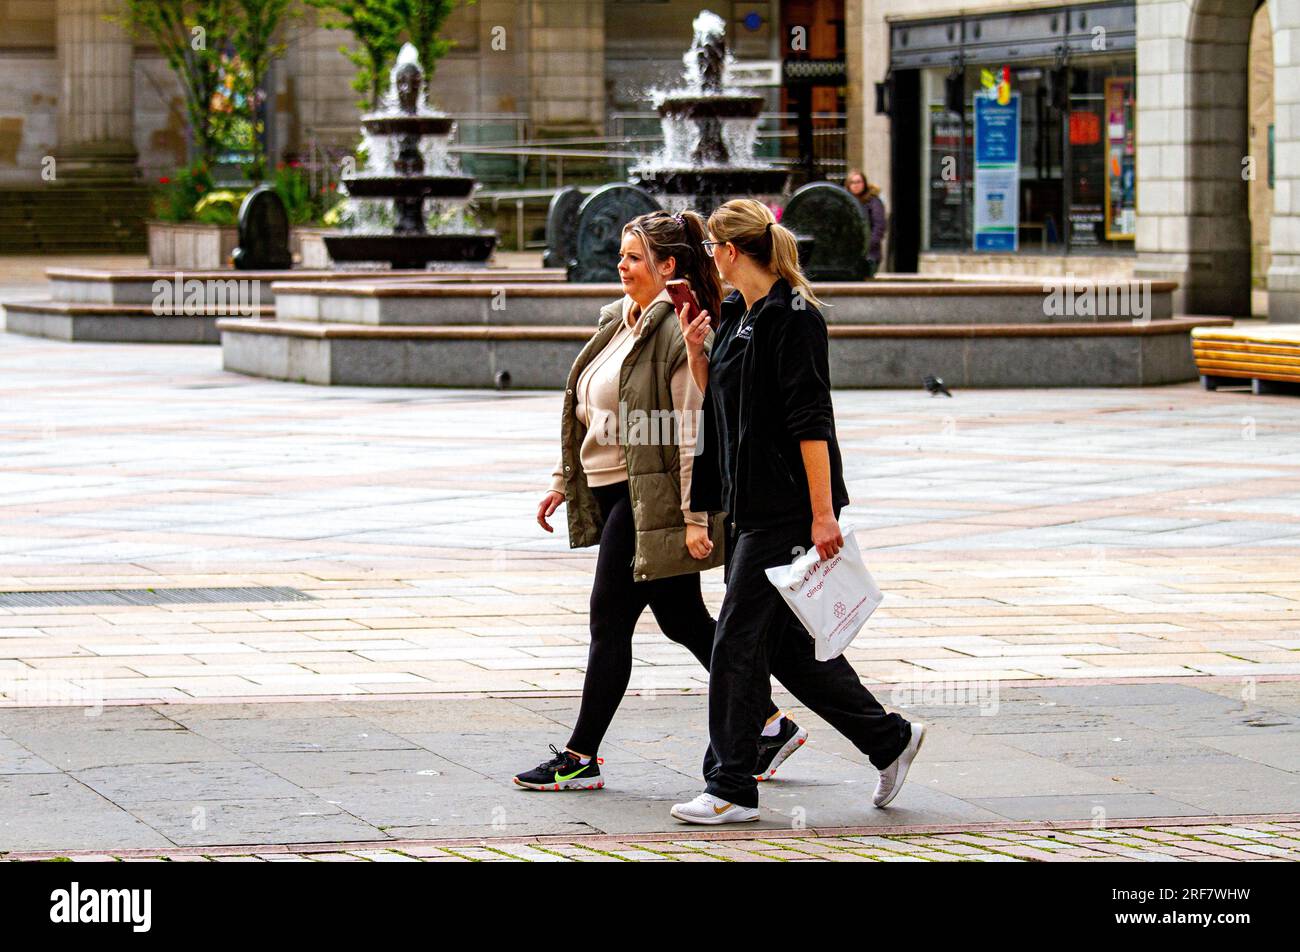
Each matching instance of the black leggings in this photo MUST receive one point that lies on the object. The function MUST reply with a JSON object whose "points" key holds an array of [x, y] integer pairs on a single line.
{"points": [[617, 602]]}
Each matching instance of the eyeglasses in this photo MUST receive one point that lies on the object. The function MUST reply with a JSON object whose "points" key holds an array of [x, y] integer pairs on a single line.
{"points": [[710, 245]]}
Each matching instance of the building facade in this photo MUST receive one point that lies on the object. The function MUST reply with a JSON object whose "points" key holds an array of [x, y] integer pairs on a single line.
{"points": [[1157, 138]]}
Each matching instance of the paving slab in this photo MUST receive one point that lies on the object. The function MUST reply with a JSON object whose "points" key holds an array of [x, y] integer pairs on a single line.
{"points": [[333, 775]]}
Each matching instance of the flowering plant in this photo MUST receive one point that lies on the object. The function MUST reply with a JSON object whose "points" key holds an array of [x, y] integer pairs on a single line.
{"points": [[177, 195]]}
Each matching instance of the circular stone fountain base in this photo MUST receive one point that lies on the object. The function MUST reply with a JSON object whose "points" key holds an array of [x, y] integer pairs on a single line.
{"points": [[412, 251], [713, 106], [886, 333], [409, 186], [733, 180]]}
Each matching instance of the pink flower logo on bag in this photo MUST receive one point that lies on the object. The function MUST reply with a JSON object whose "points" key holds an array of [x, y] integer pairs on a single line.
{"points": [[841, 610]]}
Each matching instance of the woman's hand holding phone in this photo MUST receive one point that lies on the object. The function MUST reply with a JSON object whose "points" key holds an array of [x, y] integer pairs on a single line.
{"points": [[695, 330]]}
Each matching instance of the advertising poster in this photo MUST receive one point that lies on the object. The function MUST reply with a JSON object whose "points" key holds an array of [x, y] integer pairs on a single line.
{"points": [[997, 173], [1121, 170]]}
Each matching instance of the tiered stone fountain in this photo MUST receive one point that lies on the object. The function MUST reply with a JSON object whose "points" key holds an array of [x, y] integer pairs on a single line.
{"points": [[709, 132], [403, 141]]}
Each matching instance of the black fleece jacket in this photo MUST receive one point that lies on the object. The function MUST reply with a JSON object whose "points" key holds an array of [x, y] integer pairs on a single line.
{"points": [[785, 398]]}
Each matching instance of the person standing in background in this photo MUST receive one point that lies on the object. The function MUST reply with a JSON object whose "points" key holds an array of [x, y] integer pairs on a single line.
{"points": [[869, 196]]}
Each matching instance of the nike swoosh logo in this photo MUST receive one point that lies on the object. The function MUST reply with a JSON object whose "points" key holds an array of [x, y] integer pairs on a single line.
{"points": [[718, 811], [560, 778]]}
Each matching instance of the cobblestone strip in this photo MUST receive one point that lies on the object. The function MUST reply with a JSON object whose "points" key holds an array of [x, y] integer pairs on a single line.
{"points": [[1256, 842]]}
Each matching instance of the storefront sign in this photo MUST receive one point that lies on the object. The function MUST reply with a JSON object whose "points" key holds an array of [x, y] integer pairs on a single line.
{"points": [[997, 173]]}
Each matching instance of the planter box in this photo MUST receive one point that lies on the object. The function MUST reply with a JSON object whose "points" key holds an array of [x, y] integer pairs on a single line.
{"points": [[190, 246], [307, 245]]}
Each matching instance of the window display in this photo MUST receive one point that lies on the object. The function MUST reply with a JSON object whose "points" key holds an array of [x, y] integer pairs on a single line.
{"points": [[1076, 187]]}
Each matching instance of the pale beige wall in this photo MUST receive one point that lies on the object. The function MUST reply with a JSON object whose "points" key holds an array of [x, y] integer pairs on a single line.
{"points": [[644, 42], [314, 93], [159, 116], [27, 23], [29, 112], [1260, 93]]}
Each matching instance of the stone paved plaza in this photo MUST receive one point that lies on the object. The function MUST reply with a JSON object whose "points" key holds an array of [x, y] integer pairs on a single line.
{"points": [[1091, 595], [1207, 843]]}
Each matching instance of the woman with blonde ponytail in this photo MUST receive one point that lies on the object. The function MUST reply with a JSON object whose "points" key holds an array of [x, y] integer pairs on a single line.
{"points": [[769, 459]]}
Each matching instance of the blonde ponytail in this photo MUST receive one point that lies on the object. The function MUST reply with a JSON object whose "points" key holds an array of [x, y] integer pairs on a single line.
{"points": [[754, 230]]}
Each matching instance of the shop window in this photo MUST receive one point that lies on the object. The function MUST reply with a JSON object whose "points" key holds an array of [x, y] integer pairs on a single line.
{"points": [[1103, 178], [1077, 184]]}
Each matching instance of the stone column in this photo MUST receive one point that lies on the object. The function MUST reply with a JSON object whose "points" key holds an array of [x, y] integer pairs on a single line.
{"points": [[1193, 222], [861, 98], [566, 68], [1284, 272], [871, 147], [96, 94]]}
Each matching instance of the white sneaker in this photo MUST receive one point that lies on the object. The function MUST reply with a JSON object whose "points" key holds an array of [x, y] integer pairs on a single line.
{"points": [[711, 810], [892, 777]]}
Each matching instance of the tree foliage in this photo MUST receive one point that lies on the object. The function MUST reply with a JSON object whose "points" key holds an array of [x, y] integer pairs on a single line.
{"points": [[376, 25], [424, 20], [191, 35], [380, 27], [221, 51], [253, 35]]}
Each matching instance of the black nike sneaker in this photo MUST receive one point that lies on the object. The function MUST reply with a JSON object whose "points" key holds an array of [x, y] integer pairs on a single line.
{"points": [[773, 751], [563, 772]]}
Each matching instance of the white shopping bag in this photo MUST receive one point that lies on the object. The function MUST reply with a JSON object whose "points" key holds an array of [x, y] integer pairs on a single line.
{"points": [[833, 599]]}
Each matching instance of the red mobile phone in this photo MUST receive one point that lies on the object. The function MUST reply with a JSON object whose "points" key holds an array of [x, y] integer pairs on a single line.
{"points": [[679, 289]]}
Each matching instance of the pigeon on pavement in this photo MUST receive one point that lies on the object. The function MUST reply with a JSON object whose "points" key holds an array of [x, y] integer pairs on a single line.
{"points": [[935, 386]]}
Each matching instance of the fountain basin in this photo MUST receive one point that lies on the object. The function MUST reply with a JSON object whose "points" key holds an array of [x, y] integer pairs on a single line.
{"points": [[711, 107], [409, 186], [407, 125], [728, 180], [412, 251]]}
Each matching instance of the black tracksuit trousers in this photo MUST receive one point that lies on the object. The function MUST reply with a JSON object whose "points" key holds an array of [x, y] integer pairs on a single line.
{"points": [[758, 637], [617, 601]]}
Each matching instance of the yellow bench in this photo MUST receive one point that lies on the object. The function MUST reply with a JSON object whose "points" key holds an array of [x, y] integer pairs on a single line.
{"points": [[1267, 356]]}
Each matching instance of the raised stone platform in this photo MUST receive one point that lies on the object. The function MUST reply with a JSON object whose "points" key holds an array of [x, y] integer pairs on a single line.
{"points": [[177, 307], [523, 327], [885, 333], [511, 301], [118, 323], [970, 355]]}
